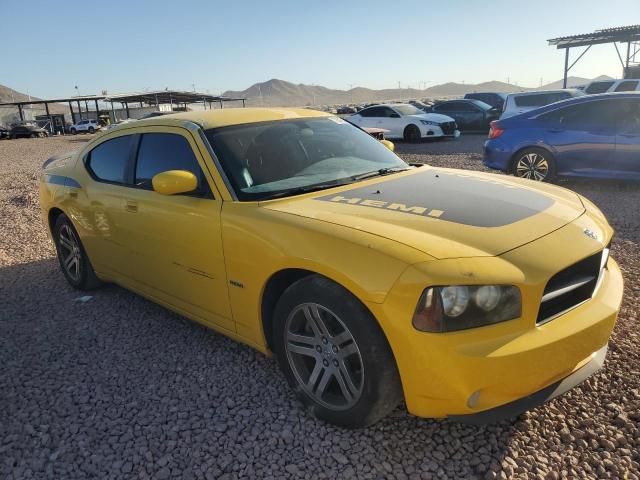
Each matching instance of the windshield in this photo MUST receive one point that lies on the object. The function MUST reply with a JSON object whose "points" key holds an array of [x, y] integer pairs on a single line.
{"points": [[269, 159], [408, 110]]}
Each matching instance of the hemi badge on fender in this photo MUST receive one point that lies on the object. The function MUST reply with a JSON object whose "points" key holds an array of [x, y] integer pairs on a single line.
{"points": [[235, 283], [400, 207]]}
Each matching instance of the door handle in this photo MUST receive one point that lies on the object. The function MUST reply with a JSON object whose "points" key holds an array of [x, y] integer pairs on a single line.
{"points": [[131, 206]]}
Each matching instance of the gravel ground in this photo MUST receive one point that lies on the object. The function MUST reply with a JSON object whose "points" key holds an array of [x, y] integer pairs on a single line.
{"points": [[118, 387]]}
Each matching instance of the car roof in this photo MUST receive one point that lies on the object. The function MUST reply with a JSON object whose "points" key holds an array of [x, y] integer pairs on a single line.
{"points": [[572, 101], [543, 92], [500, 94], [230, 116]]}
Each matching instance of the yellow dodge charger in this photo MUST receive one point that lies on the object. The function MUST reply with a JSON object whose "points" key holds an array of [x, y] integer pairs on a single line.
{"points": [[470, 296]]}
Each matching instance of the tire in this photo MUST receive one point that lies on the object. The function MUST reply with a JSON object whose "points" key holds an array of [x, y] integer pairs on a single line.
{"points": [[411, 133], [73, 131], [92, 130], [34, 135], [334, 354], [73, 259], [534, 164]]}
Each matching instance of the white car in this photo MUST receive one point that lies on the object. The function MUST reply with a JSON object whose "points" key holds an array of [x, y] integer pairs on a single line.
{"points": [[517, 103], [405, 121], [606, 86], [89, 126]]}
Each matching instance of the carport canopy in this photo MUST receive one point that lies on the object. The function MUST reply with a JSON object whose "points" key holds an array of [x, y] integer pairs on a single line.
{"points": [[150, 98], [629, 35]]}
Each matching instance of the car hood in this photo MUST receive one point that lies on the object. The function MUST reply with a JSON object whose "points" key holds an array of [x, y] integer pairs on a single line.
{"points": [[432, 117], [444, 213]]}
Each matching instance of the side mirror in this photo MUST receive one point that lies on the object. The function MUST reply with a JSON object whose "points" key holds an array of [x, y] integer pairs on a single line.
{"points": [[172, 182], [388, 144]]}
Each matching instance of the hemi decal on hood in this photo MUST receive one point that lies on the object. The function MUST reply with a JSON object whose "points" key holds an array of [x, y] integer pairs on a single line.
{"points": [[455, 197]]}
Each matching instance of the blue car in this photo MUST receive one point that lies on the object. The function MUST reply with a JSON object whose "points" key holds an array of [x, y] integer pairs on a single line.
{"points": [[592, 136]]}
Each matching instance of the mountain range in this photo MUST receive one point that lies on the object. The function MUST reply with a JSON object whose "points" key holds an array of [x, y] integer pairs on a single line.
{"points": [[281, 93]]}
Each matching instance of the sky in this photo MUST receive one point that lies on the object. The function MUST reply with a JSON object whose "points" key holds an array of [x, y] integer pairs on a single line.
{"points": [[125, 46]]}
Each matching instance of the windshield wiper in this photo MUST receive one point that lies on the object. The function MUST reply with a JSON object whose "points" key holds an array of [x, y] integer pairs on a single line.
{"points": [[379, 173], [306, 189]]}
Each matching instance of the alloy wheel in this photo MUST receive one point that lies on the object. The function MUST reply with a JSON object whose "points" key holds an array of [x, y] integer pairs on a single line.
{"points": [[70, 252], [532, 166], [324, 356]]}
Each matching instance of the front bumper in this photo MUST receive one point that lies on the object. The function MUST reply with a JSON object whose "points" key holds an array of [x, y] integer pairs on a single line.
{"points": [[515, 408], [471, 371]]}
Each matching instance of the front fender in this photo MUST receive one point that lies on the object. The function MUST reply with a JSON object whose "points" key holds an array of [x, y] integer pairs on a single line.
{"points": [[259, 243]]}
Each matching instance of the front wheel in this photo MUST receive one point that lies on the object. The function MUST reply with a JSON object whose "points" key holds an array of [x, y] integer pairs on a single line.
{"points": [[73, 259], [411, 133], [92, 130], [73, 131], [534, 164], [334, 354]]}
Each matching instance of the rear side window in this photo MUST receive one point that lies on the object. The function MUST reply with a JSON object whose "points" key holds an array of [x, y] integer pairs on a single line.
{"points": [[598, 87], [445, 107], [628, 86], [586, 115], [540, 99], [373, 112], [108, 161], [159, 152]]}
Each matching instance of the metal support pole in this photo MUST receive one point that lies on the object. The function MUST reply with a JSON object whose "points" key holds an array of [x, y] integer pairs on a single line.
{"points": [[21, 114], [126, 106], [73, 115], [79, 109], [566, 67], [97, 110], [113, 112], [51, 129], [243, 103]]}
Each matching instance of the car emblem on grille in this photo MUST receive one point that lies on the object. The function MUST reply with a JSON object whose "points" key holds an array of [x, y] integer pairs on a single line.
{"points": [[590, 233]]}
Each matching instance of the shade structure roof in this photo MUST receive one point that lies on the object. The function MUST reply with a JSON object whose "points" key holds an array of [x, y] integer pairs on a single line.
{"points": [[629, 33], [154, 98]]}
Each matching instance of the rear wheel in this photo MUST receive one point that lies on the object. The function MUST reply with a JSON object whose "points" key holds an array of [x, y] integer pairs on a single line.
{"points": [[334, 354], [73, 259], [91, 129], [534, 164], [411, 133], [73, 131]]}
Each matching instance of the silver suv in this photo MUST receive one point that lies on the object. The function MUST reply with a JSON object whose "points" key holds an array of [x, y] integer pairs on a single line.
{"points": [[87, 126]]}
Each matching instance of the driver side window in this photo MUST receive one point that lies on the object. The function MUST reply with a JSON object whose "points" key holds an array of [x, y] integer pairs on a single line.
{"points": [[159, 152]]}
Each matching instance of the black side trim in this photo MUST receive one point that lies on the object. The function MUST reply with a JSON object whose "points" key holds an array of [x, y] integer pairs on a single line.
{"points": [[515, 408]]}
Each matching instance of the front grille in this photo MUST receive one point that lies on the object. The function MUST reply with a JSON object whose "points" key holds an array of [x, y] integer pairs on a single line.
{"points": [[571, 287], [448, 128]]}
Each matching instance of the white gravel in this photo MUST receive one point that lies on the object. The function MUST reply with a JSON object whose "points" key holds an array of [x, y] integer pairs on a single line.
{"points": [[118, 387]]}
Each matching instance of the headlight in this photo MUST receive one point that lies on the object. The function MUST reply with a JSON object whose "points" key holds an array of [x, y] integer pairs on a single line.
{"points": [[429, 122], [458, 307]]}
